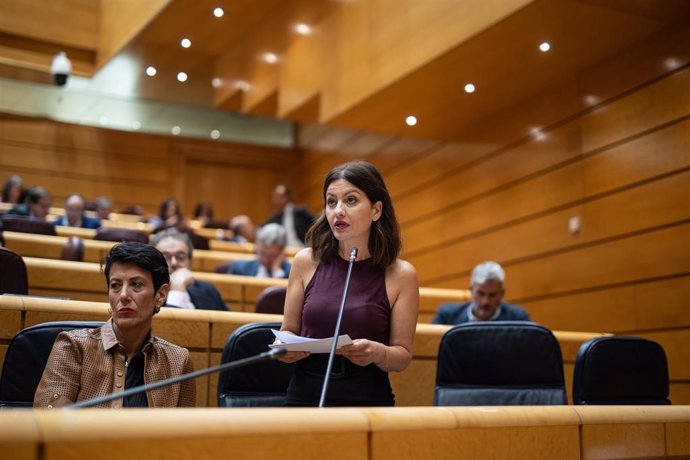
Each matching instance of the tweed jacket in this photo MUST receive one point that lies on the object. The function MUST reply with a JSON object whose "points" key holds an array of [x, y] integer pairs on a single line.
{"points": [[87, 363]]}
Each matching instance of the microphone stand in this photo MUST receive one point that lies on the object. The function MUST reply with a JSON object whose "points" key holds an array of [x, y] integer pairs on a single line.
{"points": [[265, 356], [334, 345]]}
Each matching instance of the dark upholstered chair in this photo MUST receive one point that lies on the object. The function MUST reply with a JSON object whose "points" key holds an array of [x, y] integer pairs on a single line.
{"points": [[73, 249], [620, 370], [13, 279], [27, 225], [258, 385], [198, 241], [223, 267], [26, 358], [271, 300], [499, 363], [120, 235]]}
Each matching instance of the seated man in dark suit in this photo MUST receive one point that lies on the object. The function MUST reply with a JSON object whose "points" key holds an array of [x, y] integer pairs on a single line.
{"points": [[295, 219], [487, 290], [270, 255], [185, 291], [74, 214], [36, 205]]}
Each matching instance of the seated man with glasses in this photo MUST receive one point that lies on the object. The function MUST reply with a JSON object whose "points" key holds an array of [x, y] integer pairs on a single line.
{"points": [[185, 291]]}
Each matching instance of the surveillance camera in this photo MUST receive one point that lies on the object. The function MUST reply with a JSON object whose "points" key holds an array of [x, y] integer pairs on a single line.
{"points": [[61, 68]]}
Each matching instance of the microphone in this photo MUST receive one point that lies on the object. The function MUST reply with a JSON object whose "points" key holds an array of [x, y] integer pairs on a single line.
{"points": [[265, 356], [334, 345]]}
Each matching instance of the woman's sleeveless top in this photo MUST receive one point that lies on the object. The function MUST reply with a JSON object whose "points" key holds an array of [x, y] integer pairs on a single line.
{"points": [[367, 313]]}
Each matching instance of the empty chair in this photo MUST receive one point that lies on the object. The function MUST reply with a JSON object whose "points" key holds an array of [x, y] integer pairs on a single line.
{"points": [[620, 370], [13, 279], [26, 358], [120, 235], [499, 363], [271, 300], [73, 249], [262, 384], [27, 225]]}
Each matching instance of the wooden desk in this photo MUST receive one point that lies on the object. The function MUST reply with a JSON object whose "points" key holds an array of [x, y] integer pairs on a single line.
{"points": [[433, 433]]}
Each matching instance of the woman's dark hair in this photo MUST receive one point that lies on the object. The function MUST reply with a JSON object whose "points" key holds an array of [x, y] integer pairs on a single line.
{"points": [[11, 182], [203, 209], [143, 256], [384, 237], [164, 208]]}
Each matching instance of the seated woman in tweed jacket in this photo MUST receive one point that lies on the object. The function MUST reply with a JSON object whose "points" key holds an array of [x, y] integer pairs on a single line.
{"points": [[87, 363]]}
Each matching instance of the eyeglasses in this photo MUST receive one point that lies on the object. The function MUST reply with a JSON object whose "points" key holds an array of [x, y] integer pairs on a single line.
{"points": [[179, 256]]}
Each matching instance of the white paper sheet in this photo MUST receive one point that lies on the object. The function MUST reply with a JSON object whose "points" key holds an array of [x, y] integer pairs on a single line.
{"points": [[296, 343]]}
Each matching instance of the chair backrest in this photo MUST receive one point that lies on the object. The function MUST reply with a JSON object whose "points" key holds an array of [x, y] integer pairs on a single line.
{"points": [[271, 300], [120, 235], [620, 370], [26, 358], [27, 225], [222, 267], [13, 278], [73, 249], [499, 363], [263, 384]]}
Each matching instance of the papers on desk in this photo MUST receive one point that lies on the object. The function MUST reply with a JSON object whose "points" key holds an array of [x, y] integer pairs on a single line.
{"points": [[296, 343]]}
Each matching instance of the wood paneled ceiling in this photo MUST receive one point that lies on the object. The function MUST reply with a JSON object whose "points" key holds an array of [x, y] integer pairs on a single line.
{"points": [[366, 66]]}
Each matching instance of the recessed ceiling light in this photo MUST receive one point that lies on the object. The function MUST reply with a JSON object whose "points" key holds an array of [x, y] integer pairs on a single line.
{"points": [[151, 71], [544, 47], [411, 120], [537, 134], [302, 29], [182, 77], [242, 85], [186, 43], [215, 134], [672, 63], [216, 82], [469, 88], [218, 12], [591, 99], [270, 58], [175, 130]]}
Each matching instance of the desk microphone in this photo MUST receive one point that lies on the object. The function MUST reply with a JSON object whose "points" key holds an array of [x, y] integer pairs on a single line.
{"points": [[265, 356], [334, 345]]}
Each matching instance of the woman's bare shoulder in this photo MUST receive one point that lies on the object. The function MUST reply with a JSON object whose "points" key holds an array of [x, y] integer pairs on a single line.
{"points": [[402, 271]]}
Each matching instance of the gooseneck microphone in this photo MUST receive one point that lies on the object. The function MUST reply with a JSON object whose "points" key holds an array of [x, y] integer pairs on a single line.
{"points": [[336, 333], [265, 356]]}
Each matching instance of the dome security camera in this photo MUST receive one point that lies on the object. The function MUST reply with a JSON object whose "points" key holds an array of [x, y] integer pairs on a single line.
{"points": [[61, 68]]}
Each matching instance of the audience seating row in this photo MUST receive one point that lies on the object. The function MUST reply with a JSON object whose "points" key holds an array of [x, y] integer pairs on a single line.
{"points": [[84, 281], [205, 332]]}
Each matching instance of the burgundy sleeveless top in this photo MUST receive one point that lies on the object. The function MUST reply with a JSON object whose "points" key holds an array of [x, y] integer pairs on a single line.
{"points": [[367, 313]]}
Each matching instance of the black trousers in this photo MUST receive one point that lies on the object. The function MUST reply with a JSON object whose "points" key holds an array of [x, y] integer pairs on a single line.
{"points": [[349, 384]]}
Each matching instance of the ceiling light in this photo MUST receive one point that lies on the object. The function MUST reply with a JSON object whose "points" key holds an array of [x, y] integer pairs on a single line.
{"points": [[150, 71], [672, 63], [242, 85], [175, 130], [182, 77], [411, 120], [591, 99], [469, 88], [302, 29], [186, 43], [537, 134], [216, 82], [218, 12], [215, 134], [544, 47], [270, 58]]}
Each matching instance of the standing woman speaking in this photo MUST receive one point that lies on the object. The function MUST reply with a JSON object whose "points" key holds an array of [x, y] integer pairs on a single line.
{"points": [[382, 302]]}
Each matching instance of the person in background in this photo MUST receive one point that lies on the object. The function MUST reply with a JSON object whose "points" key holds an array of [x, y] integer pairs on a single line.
{"points": [[13, 190], [243, 229], [203, 211], [123, 353], [74, 214], [169, 215], [185, 291], [36, 204], [103, 207], [270, 255], [487, 288], [295, 219], [382, 303]]}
